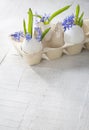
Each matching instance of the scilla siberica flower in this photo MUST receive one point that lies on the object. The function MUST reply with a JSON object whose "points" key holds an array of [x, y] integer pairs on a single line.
{"points": [[38, 36], [17, 35], [39, 33], [43, 18], [28, 37], [68, 22]]}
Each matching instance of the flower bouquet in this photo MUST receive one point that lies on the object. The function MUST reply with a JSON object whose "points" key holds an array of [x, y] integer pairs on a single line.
{"points": [[27, 43], [74, 36]]}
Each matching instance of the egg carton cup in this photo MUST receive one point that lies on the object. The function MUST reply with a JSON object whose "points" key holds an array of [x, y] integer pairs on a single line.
{"points": [[87, 46], [31, 59], [86, 26], [73, 49], [17, 46], [86, 31], [53, 53], [87, 43]]}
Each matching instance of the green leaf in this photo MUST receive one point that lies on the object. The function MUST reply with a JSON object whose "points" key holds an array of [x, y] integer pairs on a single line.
{"points": [[81, 16], [58, 12], [37, 15], [78, 20], [77, 10], [77, 13], [44, 33], [24, 26], [81, 23], [30, 21]]}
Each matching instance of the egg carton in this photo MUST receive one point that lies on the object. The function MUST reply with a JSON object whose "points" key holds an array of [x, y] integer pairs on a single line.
{"points": [[55, 52], [47, 53]]}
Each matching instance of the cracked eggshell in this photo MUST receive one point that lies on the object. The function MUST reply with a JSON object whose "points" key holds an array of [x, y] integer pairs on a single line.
{"points": [[32, 46], [74, 39], [75, 35], [31, 51]]}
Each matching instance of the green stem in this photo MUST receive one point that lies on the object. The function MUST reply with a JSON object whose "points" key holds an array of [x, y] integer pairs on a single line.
{"points": [[37, 15], [24, 26]]}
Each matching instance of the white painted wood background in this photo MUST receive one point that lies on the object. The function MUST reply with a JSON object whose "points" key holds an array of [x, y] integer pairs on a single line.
{"points": [[53, 95]]}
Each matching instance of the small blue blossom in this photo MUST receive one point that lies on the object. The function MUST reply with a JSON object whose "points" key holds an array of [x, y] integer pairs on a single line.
{"points": [[28, 37], [39, 33], [68, 22], [17, 35], [43, 18]]}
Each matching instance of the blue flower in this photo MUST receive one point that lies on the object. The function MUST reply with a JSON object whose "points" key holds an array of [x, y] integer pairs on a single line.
{"points": [[45, 18], [28, 37], [68, 22], [17, 35], [39, 33]]}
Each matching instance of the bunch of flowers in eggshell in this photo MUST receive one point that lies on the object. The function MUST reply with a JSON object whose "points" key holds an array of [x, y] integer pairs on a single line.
{"points": [[74, 36], [30, 46]]}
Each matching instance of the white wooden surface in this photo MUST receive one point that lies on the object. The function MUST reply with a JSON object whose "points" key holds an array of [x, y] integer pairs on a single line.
{"points": [[53, 95]]}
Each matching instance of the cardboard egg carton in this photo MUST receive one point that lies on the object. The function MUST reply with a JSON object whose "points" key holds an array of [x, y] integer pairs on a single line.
{"points": [[51, 53]]}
